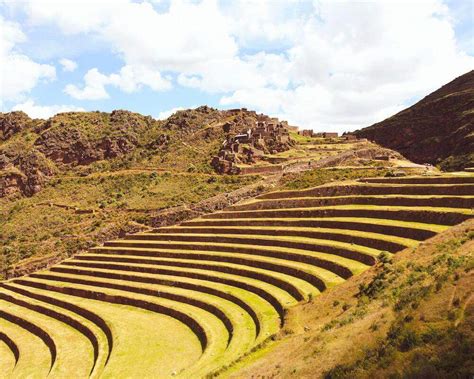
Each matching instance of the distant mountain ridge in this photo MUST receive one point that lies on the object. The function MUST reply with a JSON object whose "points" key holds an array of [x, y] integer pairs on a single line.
{"points": [[33, 151], [439, 129]]}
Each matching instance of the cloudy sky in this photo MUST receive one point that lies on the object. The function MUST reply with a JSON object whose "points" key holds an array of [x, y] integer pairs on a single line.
{"points": [[335, 65]]}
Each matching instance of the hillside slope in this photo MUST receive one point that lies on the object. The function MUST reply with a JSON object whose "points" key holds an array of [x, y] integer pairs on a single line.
{"points": [[200, 298], [407, 317], [439, 129], [79, 143]]}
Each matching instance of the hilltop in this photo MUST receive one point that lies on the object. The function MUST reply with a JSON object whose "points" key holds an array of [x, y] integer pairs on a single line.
{"points": [[439, 129], [80, 143]]}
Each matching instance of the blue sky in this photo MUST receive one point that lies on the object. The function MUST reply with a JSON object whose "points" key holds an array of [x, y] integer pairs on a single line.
{"points": [[335, 65]]}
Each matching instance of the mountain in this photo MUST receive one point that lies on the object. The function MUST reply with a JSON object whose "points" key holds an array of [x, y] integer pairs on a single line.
{"points": [[439, 129], [34, 151]]}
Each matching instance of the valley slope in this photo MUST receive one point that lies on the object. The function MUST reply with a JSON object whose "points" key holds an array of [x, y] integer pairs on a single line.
{"points": [[439, 129]]}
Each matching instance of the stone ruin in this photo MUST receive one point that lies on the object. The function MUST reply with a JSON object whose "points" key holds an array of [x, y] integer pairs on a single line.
{"points": [[313, 134], [258, 136]]}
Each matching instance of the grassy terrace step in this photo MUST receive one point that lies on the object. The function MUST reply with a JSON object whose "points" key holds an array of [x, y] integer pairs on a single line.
{"points": [[9, 354], [265, 316], [200, 300], [34, 358], [239, 324], [167, 308], [101, 339], [411, 230], [391, 200], [49, 307], [210, 330], [57, 336], [277, 297], [319, 269], [445, 179], [371, 240], [295, 287], [310, 274], [138, 339], [375, 189], [313, 251], [444, 216]]}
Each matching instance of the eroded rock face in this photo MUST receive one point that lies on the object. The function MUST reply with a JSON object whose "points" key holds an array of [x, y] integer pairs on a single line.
{"points": [[12, 123], [83, 138], [26, 174], [438, 129]]}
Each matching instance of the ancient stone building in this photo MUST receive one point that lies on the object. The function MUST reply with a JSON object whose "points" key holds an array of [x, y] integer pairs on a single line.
{"points": [[266, 136]]}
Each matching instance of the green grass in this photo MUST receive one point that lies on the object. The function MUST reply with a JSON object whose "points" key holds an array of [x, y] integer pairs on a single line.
{"points": [[356, 196], [34, 360], [405, 224], [266, 314], [7, 363], [32, 229], [295, 239], [281, 295], [304, 287], [361, 206], [327, 276], [318, 177], [67, 353], [244, 328], [141, 351], [288, 232]]}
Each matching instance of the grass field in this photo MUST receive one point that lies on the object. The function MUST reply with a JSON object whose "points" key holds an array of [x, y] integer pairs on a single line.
{"points": [[195, 299]]}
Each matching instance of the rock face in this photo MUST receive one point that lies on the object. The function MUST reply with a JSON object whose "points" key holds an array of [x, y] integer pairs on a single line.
{"points": [[12, 123], [439, 129], [83, 138], [25, 174]]}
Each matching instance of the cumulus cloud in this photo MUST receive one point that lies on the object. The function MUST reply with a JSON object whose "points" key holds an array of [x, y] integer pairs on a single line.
{"points": [[68, 65], [358, 63], [44, 111], [129, 79], [324, 64], [18, 73]]}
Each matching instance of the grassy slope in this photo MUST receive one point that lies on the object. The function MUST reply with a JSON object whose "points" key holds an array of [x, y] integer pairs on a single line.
{"points": [[412, 316], [121, 188], [313, 178], [32, 228], [438, 129], [122, 191]]}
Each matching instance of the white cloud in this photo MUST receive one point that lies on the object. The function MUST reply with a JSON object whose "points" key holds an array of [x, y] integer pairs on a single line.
{"points": [[18, 73], [68, 65], [165, 114], [94, 88], [321, 64], [129, 79], [44, 111], [361, 63]]}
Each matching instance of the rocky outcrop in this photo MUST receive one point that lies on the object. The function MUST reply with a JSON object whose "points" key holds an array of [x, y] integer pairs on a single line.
{"points": [[24, 174], [439, 129], [12, 123], [83, 138]]}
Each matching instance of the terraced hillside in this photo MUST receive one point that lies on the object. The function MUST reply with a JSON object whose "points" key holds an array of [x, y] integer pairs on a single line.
{"points": [[192, 299]]}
